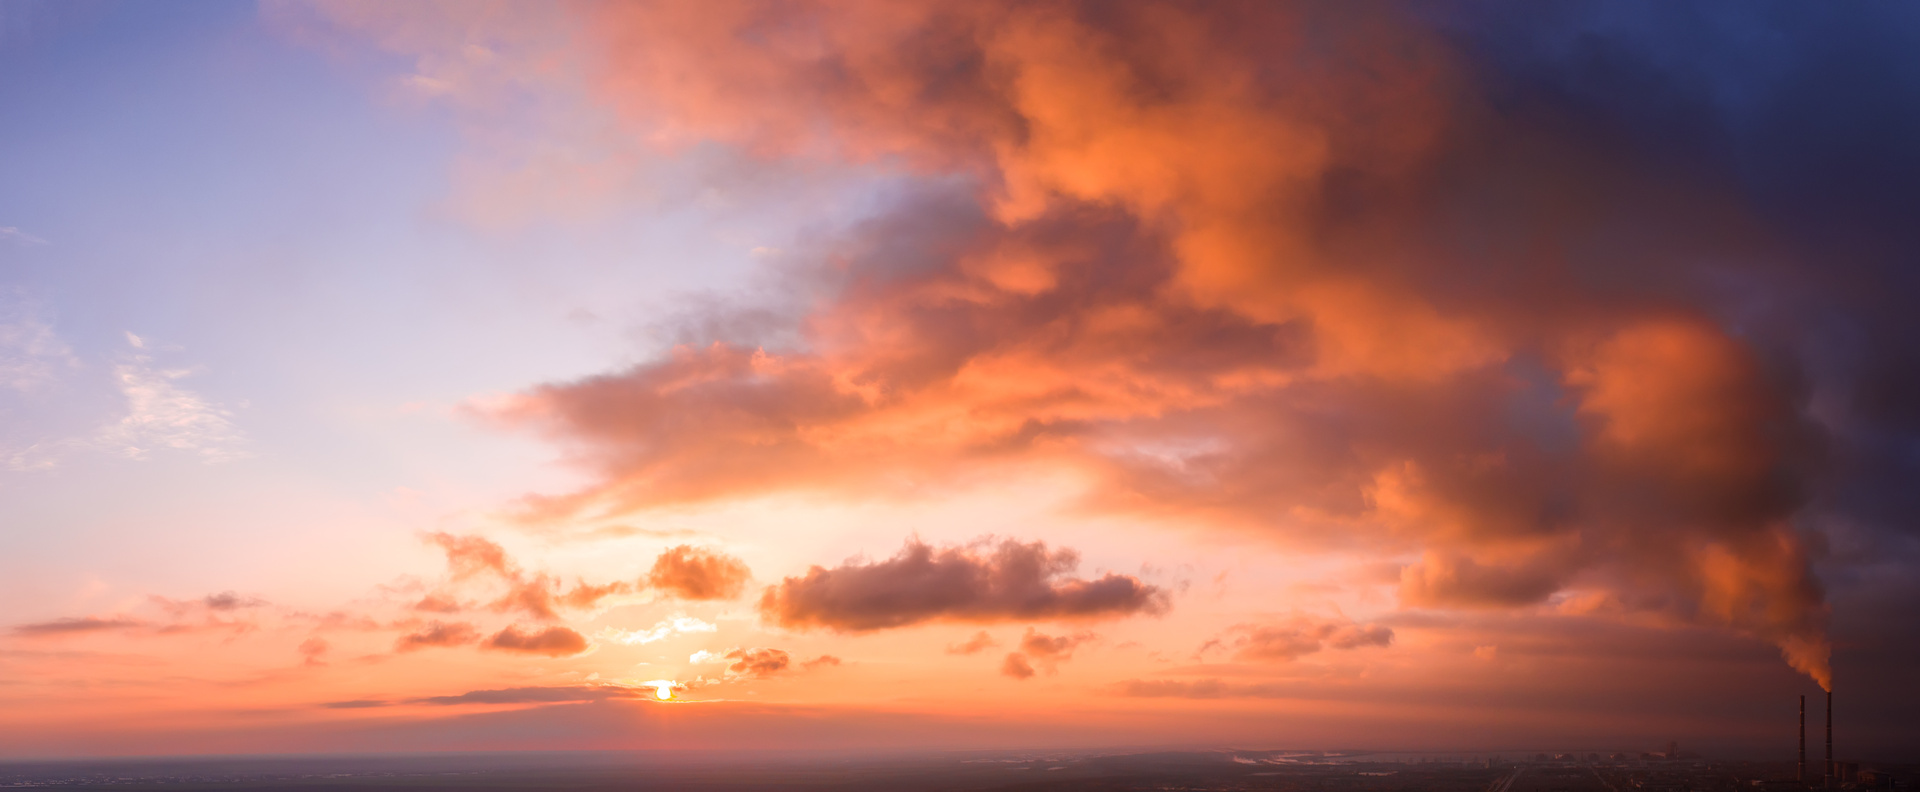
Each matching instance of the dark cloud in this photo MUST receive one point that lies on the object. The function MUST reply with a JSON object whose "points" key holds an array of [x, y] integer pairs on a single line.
{"points": [[1294, 638], [74, 626], [759, 662], [437, 633], [695, 573], [985, 581], [1460, 582], [1016, 666], [551, 642]]}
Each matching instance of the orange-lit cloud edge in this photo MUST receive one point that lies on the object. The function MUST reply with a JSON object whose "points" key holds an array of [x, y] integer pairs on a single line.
{"points": [[1235, 283]]}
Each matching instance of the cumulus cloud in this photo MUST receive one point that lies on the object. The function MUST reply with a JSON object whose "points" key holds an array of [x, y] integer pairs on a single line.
{"points": [[1299, 636], [985, 581], [551, 642], [1308, 271], [695, 573], [437, 634], [758, 662]]}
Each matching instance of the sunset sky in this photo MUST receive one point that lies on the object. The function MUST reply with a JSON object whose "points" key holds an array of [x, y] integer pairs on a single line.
{"points": [[1428, 376]]}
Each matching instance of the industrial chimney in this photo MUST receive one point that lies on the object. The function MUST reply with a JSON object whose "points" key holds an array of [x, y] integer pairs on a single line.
{"points": [[1803, 739], [1829, 772]]}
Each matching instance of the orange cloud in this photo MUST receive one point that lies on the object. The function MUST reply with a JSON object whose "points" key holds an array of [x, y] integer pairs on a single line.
{"points": [[437, 634], [1241, 266], [980, 641], [1045, 651], [694, 573], [1294, 638], [758, 662], [551, 642]]}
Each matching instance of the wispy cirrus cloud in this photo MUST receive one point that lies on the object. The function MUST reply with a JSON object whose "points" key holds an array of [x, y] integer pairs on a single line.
{"points": [[19, 237], [32, 355], [162, 414]]}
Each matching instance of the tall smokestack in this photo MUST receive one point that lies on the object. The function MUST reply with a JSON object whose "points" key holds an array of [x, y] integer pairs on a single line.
{"points": [[1829, 738], [1803, 739]]}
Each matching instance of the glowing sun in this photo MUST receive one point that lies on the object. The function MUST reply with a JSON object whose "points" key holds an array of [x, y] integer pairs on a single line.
{"points": [[662, 689]]}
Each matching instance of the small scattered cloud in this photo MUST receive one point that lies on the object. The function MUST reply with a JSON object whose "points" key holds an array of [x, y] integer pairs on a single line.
{"points": [[985, 581], [437, 634], [694, 573], [979, 642], [677, 624], [537, 595], [1042, 651], [435, 603], [1297, 637], [314, 650], [230, 601], [1016, 666], [758, 662], [823, 660], [550, 642], [468, 556]]}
